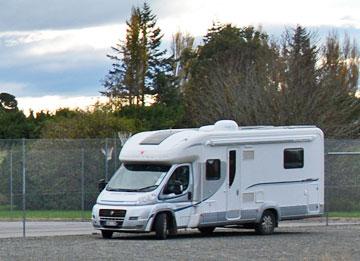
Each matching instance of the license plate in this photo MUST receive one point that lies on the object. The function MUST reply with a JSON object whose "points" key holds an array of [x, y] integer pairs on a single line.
{"points": [[111, 223]]}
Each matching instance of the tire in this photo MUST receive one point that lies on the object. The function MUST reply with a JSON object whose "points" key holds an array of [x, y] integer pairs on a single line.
{"points": [[267, 224], [161, 226], [172, 230], [206, 230], [107, 234]]}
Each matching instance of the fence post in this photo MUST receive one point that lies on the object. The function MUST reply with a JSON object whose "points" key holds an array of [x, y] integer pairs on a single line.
{"points": [[115, 153], [106, 160], [11, 181], [23, 186], [82, 184], [327, 218]]}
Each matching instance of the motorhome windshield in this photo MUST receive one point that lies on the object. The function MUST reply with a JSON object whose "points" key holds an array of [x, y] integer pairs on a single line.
{"points": [[137, 177]]}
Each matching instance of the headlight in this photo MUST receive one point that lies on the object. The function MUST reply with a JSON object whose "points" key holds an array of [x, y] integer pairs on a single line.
{"points": [[147, 199]]}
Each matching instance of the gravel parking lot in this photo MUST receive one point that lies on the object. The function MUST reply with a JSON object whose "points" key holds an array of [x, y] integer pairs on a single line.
{"points": [[288, 243]]}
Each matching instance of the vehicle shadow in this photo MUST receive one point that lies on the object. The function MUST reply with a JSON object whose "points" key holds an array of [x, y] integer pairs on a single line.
{"points": [[194, 234]]}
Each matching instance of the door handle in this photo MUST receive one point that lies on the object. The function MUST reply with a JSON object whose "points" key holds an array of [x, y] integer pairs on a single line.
{"points": [[189, 195]]}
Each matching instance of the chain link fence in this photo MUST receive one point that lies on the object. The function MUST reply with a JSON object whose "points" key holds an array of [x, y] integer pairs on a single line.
{"points": [[342, 175], [55, 179]]}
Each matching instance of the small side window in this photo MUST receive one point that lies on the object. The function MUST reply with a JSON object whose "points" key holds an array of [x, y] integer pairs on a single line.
{"points": [[213, 169], [294, 158]]}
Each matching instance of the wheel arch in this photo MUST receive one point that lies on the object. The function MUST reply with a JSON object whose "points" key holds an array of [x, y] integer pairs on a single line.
{"points": [[270, 207], [170, 214]]}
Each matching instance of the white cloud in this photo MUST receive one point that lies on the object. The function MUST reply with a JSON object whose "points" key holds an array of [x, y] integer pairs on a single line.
{"points": [[47, 42], [53, 102], [200, 14], [61, 41], [196, 18]]}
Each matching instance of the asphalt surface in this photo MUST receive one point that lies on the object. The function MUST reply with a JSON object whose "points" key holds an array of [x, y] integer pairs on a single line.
{"points": [[288, 243], [44, 228], [10, 229]]}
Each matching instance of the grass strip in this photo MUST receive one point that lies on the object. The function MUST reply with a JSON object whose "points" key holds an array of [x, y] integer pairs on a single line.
{"points": [[46, 214]]}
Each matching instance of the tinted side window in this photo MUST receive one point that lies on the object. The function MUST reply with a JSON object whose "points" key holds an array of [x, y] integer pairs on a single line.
{"points": [[213, 169], [293, 158]]}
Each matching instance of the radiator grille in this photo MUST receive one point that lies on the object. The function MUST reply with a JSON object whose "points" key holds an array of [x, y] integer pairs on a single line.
{"points": [[112, 218], [120, 213]]}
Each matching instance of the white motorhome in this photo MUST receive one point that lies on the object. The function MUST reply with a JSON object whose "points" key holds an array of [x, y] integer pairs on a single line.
{"points": [[219, 175]]}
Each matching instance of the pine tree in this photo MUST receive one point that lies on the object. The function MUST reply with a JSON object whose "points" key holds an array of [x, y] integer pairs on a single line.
{"points": [[300, 74], [122, 81], [138, 62], [157, 79]]}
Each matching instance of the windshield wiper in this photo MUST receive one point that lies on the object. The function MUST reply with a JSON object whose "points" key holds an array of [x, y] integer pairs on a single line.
{"points": [[133, 190], [147, 188]]}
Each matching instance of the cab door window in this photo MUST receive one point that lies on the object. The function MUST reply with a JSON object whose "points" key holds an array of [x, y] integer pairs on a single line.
{"points": [[179, 179]]}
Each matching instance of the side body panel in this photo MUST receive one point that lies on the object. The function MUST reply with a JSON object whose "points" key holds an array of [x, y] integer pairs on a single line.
{"points": [[263, 182]]}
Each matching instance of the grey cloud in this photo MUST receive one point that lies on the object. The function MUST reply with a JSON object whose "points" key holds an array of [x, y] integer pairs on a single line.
{"points": [[165, 8], [71, 72], [18, 15]]}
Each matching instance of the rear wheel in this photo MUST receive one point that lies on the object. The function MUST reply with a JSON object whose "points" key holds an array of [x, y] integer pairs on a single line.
{"points": [[267, 223], [106, 234], [161, 226], [206, 230]]}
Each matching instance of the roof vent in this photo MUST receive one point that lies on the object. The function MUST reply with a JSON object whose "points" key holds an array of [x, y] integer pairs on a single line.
{"points": [[226, 125]]}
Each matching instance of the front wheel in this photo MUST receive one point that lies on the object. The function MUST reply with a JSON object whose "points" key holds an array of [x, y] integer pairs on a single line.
{"points": [[267, 224], [106, 234], [161, 226]]}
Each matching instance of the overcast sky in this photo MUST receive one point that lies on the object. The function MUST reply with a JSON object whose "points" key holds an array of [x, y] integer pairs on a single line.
{"points": [[58, 48]]}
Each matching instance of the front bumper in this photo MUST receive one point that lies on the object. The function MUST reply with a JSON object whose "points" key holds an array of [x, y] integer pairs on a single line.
{"points": [[122, 218]]}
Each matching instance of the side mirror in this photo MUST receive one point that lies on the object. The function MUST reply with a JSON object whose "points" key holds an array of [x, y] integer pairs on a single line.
{"points": [[101, 185]]}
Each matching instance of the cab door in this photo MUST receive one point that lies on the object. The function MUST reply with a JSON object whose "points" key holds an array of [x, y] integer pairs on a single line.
{"points": [[233, 184], [181, 201]]}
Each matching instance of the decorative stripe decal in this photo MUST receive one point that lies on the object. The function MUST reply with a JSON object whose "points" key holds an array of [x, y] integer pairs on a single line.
{"points": [[179, 209], [283, 182], [265, 183], [191, 205]]}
